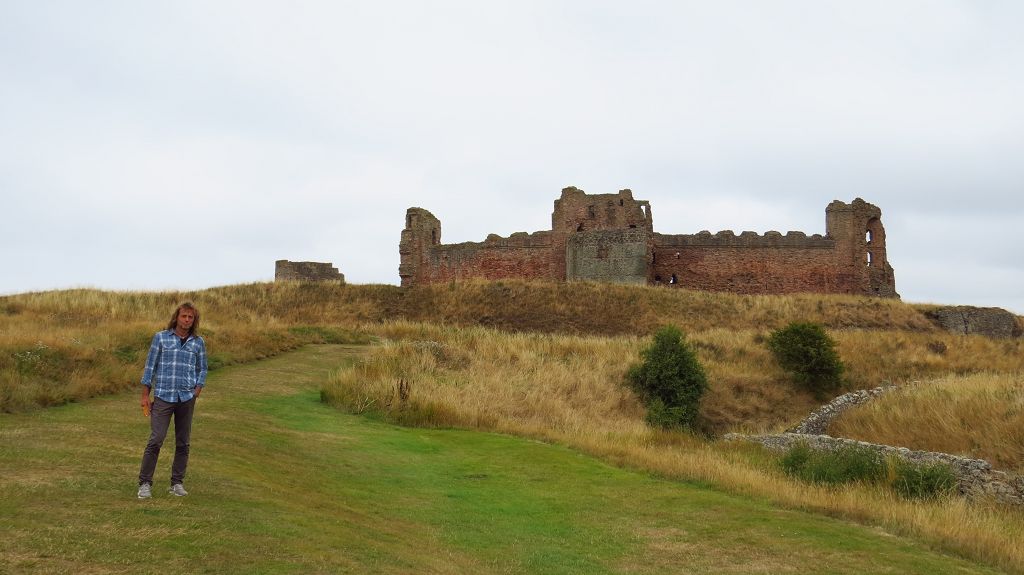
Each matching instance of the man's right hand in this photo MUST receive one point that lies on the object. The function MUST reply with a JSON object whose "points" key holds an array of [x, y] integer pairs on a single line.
{"points": [[146, 405]]}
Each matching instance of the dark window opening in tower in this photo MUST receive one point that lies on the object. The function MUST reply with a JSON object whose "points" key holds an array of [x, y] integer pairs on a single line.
{"points": [[673, 279]]}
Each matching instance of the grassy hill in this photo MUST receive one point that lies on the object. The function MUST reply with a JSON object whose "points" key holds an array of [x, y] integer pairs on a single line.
{"points": [[546, 361], [281, 483]]}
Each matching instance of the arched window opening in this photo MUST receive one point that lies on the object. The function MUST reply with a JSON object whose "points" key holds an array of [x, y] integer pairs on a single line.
{"points": [[868, 236], [673, 279], [871, 259]]}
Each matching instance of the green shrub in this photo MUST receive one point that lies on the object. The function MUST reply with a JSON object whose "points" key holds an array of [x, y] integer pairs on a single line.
{"points": [[808, 354], [795, 459], [843, 465], [927, 481], [669, 380]]}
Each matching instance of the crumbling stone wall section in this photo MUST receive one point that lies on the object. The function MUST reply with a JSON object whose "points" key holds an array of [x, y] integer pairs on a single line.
{"points": [[964, 320], [521, 255], [610, 237], [818, 422], [976, 477], [285, 270]]}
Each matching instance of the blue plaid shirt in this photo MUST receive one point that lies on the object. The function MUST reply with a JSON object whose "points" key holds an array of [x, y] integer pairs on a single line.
{"points": [[175, 368]]}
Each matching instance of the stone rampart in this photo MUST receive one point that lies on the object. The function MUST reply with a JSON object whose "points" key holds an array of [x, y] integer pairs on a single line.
{"points": [[520, 255]]}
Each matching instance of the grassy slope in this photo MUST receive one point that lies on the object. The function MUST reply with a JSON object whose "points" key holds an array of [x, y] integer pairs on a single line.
{"points": [[282, 483]]}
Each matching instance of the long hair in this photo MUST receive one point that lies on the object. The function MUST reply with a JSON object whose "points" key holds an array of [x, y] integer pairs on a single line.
{"points": [[174, 318]]}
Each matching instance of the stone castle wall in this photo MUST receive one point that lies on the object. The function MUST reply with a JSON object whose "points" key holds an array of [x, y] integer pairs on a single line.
{"points": [[611, 238], [614, 256], [748, 263]]}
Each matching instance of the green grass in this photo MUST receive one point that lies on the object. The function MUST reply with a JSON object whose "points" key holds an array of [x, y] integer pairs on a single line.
{"points": [[281, 483]]}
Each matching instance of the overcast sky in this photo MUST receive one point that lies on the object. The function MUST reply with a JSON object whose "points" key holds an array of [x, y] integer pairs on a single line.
{"points": [[164, 145]]}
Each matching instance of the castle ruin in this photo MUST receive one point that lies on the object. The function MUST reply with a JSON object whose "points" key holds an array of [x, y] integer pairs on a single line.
{"points": [[611, 238], [285, 270]]}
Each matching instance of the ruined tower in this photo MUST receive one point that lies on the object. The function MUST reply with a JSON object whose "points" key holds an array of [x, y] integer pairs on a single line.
{"points": [[860, 248], [604, 237], [422, 232]]}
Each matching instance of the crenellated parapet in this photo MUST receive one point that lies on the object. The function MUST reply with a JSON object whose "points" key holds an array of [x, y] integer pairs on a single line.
{"points": [[727, 238]]}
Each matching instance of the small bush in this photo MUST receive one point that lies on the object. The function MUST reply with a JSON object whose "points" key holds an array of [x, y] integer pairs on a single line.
{"points": [[669, 380], [808, 354], [927, 481], [843, 465], [795, 459]]}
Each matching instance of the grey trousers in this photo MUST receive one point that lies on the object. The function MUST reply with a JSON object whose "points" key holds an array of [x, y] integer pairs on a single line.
{"points": [[159, 421]]}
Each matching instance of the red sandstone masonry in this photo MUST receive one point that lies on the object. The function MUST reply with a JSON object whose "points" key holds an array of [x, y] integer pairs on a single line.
{"points": [[849, 258]]}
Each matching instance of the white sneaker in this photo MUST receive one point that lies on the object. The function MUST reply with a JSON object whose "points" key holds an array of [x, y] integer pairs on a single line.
{"points": [[145, 491], [178, 489]]}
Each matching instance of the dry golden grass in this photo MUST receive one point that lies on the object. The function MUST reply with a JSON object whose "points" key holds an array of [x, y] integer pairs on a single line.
{"points": [[569, 389], [978, 415], [556, 377], [63, 346]]}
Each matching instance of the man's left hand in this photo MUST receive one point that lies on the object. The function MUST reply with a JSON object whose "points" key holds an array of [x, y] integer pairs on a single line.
{"points": [[197, 391]]}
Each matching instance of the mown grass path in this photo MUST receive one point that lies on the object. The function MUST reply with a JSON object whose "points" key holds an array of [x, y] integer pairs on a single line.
{"points": [[281, 483]]}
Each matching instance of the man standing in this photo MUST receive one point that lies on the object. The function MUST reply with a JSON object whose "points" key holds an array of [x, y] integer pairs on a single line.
{"points": [[176, 372]]}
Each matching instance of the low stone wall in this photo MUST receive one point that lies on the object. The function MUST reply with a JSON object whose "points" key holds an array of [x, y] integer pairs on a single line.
{"points": [[818, 422], [975, 476], [285, 270]]}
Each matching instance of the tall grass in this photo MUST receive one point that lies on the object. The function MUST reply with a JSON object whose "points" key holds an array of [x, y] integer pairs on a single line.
{"points": [[979, 415], [63, 346], [95, 338], [569, 389], [551, 368]]}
